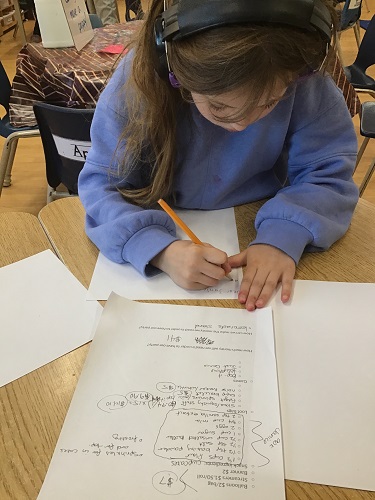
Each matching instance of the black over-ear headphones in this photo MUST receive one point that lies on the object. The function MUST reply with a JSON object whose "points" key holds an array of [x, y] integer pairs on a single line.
{"points": [[188, 17]]}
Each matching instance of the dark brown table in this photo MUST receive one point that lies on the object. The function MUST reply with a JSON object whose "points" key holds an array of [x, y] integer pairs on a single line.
{"points": [[65, 76]]}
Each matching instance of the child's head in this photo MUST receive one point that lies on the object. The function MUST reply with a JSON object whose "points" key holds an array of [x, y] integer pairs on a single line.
{"points": [[234, 73]]}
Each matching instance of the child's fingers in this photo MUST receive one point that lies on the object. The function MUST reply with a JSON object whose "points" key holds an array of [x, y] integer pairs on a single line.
{"points": [[250, 288], [269, 287], [213, 271], [286, 286], [217, 257], [214, 255], [238, 260], [227, 268]]}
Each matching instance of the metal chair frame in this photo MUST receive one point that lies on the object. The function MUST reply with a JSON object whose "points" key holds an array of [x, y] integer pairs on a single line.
{"points": [[349, 19], [356, 72], [11, 134], [367, 129]]}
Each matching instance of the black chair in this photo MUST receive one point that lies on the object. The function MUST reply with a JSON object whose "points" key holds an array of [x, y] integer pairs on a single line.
{"points": [[364, 24], [367, 128], [95, 21], [349, 18], [356, 72], [135, 7], [65, 134], [350, 14], [11, 134]]}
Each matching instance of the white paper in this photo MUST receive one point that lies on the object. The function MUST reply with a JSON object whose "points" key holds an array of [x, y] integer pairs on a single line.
{"points": [[44, 314], [78, 21], [173, 400], [325, 348], [216, 227]]}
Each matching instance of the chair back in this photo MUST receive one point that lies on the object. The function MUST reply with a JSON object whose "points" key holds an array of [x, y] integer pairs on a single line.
{"points": [[95, 21], [65, 134], [366, 52], [5, 88], [350, 14], [134, 6]]}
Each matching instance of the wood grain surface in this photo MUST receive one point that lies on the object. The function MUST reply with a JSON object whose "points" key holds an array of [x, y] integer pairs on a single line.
{"points": [[351, 259]]}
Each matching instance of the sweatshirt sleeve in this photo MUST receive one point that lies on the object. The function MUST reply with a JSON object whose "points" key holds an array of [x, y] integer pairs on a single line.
{"points": [[315, 207], [122, 231]]}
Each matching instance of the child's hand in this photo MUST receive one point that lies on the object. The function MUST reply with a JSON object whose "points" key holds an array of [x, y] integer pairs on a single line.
{"points": [[192, 266], [266, 267]]}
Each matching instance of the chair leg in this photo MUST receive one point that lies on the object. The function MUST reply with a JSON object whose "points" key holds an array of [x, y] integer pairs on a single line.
{"points": [[3, 167], [339, 50], [12, 152], [9, 151], [50, 194], [361, 151], [366, 91], [357, 33], [4, 162], [366, 178]]}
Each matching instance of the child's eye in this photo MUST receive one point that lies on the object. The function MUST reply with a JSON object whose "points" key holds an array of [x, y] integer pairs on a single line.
{"points": [[270, 105], [217, 108]]}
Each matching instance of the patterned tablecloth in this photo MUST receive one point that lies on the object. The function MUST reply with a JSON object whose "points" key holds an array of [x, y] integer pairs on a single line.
{"points": [[65, 77], [351, 97]]}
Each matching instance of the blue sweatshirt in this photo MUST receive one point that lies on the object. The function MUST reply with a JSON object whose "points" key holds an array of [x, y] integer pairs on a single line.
{"points": [[301, 156]]}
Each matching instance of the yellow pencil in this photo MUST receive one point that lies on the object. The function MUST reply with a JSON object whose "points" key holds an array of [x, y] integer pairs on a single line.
{"points": [[181, 224]]}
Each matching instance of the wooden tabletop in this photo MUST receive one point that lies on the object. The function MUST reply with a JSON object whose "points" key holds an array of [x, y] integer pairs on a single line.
{"points": [[33, 408], [21, 236], [351, 259]]}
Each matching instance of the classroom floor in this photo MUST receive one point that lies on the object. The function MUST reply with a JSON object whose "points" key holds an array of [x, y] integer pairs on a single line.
{"points": [[28, 190]]}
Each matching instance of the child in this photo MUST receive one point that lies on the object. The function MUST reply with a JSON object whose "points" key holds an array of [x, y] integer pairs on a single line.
{"points": [[223, 103]]}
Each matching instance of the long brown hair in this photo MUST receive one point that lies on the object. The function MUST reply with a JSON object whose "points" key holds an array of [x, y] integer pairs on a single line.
{"points": [[250, 57]]}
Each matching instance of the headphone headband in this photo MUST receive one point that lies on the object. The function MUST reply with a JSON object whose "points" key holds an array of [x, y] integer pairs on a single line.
{"points": [[188, 17]]}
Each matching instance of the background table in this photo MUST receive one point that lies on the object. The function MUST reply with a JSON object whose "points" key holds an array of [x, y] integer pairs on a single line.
{"points": [[66, 76], [33, 407]]}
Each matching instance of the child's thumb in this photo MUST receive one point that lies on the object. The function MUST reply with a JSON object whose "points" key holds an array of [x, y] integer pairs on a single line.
{"points": [[237, 260]]}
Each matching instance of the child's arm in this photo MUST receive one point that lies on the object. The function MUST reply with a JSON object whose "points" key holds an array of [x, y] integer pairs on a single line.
{"points": [[315, 208], [123, 232]]}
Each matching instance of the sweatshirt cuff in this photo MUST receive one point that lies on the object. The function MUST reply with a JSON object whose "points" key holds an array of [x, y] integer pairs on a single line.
{"points": [[144, 245], [288, 236]]}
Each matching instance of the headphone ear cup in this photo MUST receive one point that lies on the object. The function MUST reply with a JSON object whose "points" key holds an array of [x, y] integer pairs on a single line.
{"points": [[161, 64]]}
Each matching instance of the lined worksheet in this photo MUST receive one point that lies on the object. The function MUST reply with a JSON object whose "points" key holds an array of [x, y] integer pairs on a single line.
{"points": [[173, 400], [217, 227]]}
